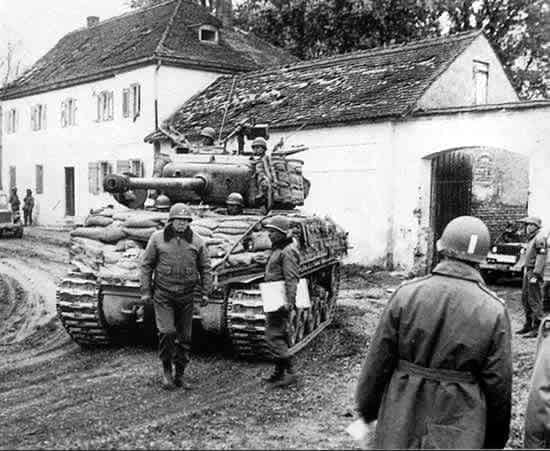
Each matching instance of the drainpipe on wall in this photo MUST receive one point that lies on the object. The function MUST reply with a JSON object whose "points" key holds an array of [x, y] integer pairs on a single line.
{"points": [[390, 243], [156, 89]]}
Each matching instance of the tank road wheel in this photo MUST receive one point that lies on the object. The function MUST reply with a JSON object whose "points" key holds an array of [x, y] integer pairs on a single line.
{"points": [[79, 309]]}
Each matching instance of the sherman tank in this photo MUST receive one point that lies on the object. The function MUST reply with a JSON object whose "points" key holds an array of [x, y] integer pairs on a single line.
{"points": [[99, 299]]}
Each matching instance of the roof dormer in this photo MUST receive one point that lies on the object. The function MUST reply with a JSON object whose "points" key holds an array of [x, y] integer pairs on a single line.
{"points": [[209, 33]]}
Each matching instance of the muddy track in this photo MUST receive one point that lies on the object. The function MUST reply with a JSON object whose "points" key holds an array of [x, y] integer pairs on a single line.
{"points": [[55, 395]]}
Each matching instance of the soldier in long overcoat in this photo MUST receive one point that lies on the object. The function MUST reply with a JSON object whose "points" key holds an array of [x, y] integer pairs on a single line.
{"points": [[438, 372]]}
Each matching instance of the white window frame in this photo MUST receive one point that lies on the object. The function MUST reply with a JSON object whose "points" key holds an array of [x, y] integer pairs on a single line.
{"points": [[12, 121], [137, 167], [131, 101], [105, 106], [209, 29], [105, 168], [38, 117], [481, 82], [68, 112]]}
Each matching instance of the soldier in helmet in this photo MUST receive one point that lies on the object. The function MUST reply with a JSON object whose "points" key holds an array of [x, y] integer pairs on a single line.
{"points": [[283, 264], [535, 260], [179, 259], [208, 136], [234, 204], [259, 147], [438, 372]]}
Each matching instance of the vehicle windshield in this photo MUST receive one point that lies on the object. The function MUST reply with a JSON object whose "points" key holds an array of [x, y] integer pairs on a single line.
{"points": [[3, 201], [515, 232]]}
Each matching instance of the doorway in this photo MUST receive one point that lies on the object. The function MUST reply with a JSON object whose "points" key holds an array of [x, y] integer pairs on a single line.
{"points": [[69, 192], [452, 176]]}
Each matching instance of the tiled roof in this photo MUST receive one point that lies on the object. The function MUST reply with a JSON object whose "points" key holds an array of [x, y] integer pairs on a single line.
{"points": [[168, 31], [364, 85]]}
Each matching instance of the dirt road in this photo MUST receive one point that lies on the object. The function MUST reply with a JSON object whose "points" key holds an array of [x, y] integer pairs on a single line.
{"points": [[55, 395]]}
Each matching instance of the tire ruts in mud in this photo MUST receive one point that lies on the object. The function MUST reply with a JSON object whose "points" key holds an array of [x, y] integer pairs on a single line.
{"points": [[246, 320], [78, 307]]}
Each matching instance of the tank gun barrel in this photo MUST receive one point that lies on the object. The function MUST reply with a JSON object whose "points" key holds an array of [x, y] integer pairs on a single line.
{"points": [[115, 183]]}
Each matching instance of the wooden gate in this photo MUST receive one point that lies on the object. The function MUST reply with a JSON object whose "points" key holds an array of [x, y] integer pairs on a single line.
{"points": [[451, 191]]}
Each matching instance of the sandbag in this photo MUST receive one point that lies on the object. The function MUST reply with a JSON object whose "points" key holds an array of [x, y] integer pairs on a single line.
{"points": [[98, 220], [215, 241], [217, 251], [123, 245], [116, 273], [128, 264], [244, 259], [140, 222], [208, 223], [202, 231], [139, 234], [258, 241], [94, 233], [231, 231], [113, 234], [233, 224], [110, 257]]}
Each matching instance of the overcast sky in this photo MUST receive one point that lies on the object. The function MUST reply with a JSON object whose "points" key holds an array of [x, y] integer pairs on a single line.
{"points": [[36, 25]]}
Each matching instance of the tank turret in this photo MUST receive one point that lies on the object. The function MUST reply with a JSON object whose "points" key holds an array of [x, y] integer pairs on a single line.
{"points": [[273, 181]]}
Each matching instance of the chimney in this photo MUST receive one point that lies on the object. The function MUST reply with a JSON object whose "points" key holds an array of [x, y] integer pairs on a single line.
{"points": [[224, 12], [92, 21]]}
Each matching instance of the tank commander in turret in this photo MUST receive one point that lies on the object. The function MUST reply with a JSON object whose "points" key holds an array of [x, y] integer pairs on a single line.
{"points": [[259, 147], [208, 137], [179, 259], [234, 204]]}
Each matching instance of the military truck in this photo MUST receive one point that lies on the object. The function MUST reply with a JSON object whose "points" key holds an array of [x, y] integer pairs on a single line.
{"points": [[10, 222]]}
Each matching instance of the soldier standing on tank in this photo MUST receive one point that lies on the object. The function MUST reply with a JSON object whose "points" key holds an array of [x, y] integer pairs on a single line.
{"points": [[179, 259], [15, 204], [283, 264], [438, 372], [531, 290]]}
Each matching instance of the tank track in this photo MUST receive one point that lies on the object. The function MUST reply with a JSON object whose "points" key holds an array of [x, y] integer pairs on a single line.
{"points": [[246, 320], [78, 307]]}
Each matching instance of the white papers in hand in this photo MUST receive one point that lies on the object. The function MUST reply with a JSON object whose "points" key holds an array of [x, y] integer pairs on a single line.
{"points": [[361, 431], [274, 295]]}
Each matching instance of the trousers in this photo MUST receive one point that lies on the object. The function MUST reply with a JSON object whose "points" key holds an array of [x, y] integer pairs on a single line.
{"points": [[27, 216], [531, 298], [174, 319], [278, 333]]}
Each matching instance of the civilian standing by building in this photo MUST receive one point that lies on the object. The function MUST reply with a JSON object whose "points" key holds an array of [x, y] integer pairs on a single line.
{"points": [[438, 372], [283, 265], [28, 205], [537, 415], [531, 290], [179, 260]]}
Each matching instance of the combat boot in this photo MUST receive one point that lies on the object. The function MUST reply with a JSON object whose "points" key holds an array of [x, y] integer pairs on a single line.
{"points": [[167, 379], [178, 378], [289, 378], [526, 328], [277, 374]]}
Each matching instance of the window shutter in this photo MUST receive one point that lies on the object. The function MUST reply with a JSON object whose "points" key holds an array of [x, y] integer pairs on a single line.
{"points": [[111, 104], [93, 177], [39, 179], [44, 114], [16, 113], [123, 166], [63, 118], [33, 118], [125, 102], [74, 109], [136, 97], [98, 105]]}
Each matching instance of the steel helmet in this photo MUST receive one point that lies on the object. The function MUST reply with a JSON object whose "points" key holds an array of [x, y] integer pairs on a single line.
{"points": [[532, 220], [279, 223], [162, 202], [465, 238], [208, 131], [235, 199], [179, 211], [259, 141]]}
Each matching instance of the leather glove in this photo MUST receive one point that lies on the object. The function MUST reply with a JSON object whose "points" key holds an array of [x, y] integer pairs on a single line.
{"points": [[204, 301], [534, 279], [146, 298]]}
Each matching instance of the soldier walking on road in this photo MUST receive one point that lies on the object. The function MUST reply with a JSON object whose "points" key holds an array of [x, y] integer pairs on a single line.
{"points": [[283, 264], [28, 205], [531, 290], [179, 259], [438, 372]]}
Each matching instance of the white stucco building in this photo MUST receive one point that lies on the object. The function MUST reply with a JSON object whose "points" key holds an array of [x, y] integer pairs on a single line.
{"points": [[84, 108], [375, 122]]}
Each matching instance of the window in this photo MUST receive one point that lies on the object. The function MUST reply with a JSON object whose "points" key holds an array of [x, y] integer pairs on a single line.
{"points": [[68, 112], [104, 106], [39, 179], [132, 166], [481, 82], [13, 177], [12, 120], [208, 33], [131, 101], [97, 171], [38, 117]]}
